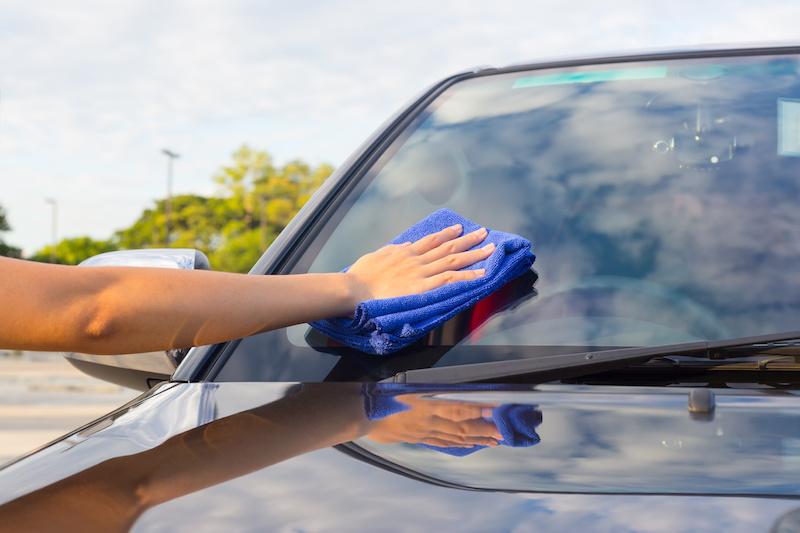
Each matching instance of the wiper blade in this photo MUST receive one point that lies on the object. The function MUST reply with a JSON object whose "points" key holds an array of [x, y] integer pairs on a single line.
{"points": [[579, 364]]}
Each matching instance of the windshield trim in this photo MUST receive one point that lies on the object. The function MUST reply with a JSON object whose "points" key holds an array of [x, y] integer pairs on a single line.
{"points": [[735, 51], [562, 366]]}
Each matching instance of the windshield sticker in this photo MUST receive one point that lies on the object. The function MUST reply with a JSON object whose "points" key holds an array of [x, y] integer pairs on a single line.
{"points": [[788, 127], [563, 78]]}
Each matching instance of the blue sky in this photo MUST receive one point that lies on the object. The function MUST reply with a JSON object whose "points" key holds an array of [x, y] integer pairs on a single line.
{"points": [[91, 91]]}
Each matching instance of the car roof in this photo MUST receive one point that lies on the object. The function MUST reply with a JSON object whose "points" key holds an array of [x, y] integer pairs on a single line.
{"points": [[644, 54]]}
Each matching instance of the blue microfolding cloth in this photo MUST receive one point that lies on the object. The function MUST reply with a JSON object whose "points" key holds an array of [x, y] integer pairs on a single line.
{"points": [[387, 325], [517, 423]]}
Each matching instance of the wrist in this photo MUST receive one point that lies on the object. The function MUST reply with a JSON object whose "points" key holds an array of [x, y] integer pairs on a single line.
{"points": [[356, 291]]}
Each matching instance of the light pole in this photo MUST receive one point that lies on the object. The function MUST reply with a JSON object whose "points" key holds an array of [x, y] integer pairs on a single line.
{"points": [[171, 156], [53, 227]]}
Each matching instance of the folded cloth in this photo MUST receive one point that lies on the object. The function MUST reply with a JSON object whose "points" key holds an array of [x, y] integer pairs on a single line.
{"points": [[517, 423], [387, 325]]}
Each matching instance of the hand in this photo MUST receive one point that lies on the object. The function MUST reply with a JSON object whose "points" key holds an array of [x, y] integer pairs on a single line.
{"points": [[413, 268], [448, 424]]}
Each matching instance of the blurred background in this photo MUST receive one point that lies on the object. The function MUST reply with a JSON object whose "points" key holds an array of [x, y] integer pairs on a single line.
{"points": [[197, 124]]}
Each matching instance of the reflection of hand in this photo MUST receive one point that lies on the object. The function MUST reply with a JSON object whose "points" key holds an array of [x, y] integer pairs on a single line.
{"points": [[438, 423]]}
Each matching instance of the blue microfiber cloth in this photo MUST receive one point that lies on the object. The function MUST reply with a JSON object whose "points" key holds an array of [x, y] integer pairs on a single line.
{"points": [[387, 325], [517, 423]]}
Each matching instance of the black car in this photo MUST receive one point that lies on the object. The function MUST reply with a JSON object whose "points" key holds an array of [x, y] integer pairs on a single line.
{"points": [[643, 377]]}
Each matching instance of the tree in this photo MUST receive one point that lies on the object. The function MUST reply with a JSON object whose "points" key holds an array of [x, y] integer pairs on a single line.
{"points": [[238, 251], [261, 198], [196, 223], [6, 249], [255, 201], [73, 250]]}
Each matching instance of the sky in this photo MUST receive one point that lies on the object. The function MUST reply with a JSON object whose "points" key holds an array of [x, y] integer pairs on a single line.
{"points": [[91, 91]]}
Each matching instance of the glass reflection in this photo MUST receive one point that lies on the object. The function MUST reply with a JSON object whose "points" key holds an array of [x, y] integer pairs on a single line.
{"points": [[404, 414]]}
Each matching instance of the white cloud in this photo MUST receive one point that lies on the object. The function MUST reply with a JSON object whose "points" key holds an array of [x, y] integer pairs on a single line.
{"points": [[90, 94]]}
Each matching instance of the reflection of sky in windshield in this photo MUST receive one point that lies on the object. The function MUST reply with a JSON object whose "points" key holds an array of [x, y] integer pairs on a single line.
{"points": [[659, 209]]}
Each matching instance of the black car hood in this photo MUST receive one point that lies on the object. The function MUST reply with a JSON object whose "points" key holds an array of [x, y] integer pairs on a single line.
{"points": [[346, 457]]}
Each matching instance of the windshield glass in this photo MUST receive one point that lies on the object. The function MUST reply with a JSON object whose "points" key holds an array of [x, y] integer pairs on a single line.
{"points": [[660, 197]]}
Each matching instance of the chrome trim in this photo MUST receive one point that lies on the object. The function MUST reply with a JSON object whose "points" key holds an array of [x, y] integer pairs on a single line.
{"points": [[648, 53], [180, 258]]}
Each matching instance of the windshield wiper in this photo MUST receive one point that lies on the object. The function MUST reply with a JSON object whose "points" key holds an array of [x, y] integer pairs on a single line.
{"points": [[579, 364]]}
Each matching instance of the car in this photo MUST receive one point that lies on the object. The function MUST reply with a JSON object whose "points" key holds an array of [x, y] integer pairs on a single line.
{"points": [[643, 376]]}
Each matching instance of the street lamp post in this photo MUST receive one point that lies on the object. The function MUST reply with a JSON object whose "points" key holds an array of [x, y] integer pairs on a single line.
{"points": [[53, 227], [171, 156]]}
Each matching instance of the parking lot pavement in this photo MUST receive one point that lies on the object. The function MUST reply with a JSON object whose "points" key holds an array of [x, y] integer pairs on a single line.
{"points": [[43, 397]]}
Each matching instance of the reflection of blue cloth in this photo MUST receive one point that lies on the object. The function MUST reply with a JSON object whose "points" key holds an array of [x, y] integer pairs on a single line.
{"points": [[517, 423], [387, 325]]}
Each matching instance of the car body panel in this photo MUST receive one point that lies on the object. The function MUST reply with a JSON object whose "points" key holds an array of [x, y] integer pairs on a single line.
{"points": [[226, 469]]}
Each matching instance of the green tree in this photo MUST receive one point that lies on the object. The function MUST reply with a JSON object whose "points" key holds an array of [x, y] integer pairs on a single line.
{"points": [[255, 201], [6, 249], [238, 251], [196, 223], [261, 199], [73, 250]]}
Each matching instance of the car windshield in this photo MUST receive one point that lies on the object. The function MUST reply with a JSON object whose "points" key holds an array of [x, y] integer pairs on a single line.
{"points": [[661, 199]]}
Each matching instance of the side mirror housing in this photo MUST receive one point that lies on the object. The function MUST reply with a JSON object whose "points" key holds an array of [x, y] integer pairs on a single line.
{"points": [[138, 371]]}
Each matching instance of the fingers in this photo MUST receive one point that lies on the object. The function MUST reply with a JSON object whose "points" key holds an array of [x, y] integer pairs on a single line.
{"points": [[458, 411], [429, 242], [459, 260], [443, 443], [461, 441], [454, 410], [451, 276], [466, 429], [465, 242]]}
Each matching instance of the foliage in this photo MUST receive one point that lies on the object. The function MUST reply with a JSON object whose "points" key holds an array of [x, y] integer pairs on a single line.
{"points": [[73, 250], [195, 223], [261, 199], [255, 201], [6, 249]]}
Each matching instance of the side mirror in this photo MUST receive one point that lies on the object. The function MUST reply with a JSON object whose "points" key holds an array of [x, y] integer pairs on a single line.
{"points": [[138, 371]]}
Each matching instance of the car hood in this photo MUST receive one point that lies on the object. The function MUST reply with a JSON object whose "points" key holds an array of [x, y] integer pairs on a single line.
{"points": [[257, 456]]}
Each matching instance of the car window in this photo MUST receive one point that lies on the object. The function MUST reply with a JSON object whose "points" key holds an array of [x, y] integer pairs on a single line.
{"points": [[661, 198]]}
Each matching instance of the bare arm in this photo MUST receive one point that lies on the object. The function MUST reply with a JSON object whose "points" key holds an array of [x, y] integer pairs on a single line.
{"points": [[128, 310]]}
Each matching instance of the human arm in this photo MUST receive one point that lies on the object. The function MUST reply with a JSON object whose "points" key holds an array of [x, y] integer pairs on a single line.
{"points": [[130, 310]]}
